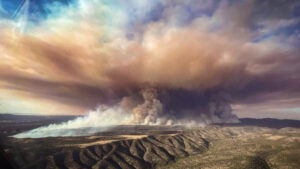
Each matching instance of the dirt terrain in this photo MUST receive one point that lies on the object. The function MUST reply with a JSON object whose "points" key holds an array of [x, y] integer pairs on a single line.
{"points": [[165, 147]]}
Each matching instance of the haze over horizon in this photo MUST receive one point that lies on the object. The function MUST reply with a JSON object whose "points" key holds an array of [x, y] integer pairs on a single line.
{"points": [[161, 60]]}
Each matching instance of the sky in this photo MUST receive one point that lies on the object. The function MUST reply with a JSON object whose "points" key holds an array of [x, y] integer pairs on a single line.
{"points": [[66, 57]]}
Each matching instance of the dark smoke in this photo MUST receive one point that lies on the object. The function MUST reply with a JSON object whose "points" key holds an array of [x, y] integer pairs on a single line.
{"points": [[165, 106], [149, 106]]}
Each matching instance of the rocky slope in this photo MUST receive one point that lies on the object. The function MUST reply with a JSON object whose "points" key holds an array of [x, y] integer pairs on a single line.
{"points": [[128, 154], [242, 146]]}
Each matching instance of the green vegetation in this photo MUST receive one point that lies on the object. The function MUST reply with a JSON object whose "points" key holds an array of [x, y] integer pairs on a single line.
{"points": [[245, 148], [210, 147]]}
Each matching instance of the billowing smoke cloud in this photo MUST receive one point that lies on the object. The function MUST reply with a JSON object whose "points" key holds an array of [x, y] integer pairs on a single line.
{"points": [[143, 108], [174, 63], [102, 119], [150, 109]]}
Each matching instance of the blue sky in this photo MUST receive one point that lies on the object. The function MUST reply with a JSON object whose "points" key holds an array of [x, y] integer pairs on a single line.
{"points": [[73, 55]]}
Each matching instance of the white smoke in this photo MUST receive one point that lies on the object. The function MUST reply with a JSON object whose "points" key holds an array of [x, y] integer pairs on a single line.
{"points": [[129, 111], [99, 120], [144, 108]]}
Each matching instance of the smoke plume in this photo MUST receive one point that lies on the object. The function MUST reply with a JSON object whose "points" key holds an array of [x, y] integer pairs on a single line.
{"points": [[176, 62], [147, 107], [99, 120]]}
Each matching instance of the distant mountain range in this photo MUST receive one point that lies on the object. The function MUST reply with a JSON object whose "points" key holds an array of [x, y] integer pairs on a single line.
{"points": [[266, 122]]}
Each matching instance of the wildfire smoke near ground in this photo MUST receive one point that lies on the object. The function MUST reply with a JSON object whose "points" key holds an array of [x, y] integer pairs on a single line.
{"points": [[173, 64], [75, 55]]}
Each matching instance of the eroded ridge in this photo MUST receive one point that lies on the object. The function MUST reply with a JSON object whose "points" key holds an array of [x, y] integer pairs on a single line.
{"points": [[140, 153]]}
